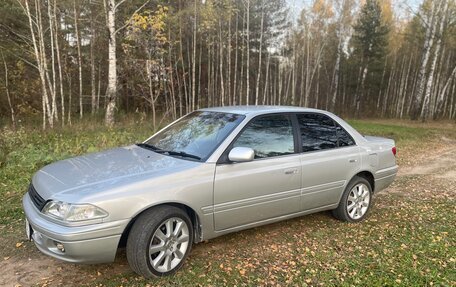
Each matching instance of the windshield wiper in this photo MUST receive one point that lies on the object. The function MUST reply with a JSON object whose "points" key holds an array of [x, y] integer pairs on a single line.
{"points": [[178, 153], [148, 146], [169, 152]]}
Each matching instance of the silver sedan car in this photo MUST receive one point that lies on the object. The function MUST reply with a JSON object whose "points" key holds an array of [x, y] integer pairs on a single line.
{"points": [[211, 172]]}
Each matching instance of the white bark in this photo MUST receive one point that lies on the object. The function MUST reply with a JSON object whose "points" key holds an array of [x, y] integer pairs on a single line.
{"points": [[335, 84], [54, 78], [429, 39], [13, 118], [229, 61], [247, 72], [427, 94], [111, 93], [59, 65], [222, 84], [194, 58], [235, 61], [266, 82], [36, 42], [78, 46], [257, 89], [92, 62], [441, 96]]}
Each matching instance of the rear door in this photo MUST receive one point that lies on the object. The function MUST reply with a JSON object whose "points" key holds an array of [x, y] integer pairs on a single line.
{"points": [[267, 187], [328, 160]]}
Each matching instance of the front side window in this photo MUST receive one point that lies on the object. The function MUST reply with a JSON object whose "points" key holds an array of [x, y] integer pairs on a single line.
{"points": [[318, 132], [268, 136], [197, 134]]}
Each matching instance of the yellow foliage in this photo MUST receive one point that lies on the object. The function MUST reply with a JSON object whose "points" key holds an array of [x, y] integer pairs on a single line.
{"points": [[154, 22], [322, 8]]}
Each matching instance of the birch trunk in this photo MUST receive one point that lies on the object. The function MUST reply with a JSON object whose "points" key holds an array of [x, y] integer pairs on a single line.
{"points": [[59, 65], [257, 89], [39, 61], [54, 78], [92, 61], [429, 39], [13, 117], [266, 82], [44, 61], [247, 72], [441, 96], [111, 94], [181, 59], [293, 70], [78, 45], [194, 59], [361, 90], [429, 84], [235, 61], [404, 89], [198, 101], [171, 71], [222, 85], [229, 60], [335, 83]]}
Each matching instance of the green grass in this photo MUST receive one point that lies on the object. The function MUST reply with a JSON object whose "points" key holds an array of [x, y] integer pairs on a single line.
{"points": [[400, 133], [409, 239]]}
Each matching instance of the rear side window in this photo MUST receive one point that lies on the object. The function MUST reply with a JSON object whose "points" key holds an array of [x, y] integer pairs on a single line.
{"points": [[344, 137], [318, 132], [268, 136]]}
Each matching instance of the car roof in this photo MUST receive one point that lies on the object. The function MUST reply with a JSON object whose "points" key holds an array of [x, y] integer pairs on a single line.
{"points": [[258, 110]]}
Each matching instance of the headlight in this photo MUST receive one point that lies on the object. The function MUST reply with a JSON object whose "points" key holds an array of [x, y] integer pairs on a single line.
{"points": [[73, 212]]}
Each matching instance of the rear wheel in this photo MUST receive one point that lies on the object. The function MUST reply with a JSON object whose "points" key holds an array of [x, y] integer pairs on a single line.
{"points": [[355, 202], [159, 241]]}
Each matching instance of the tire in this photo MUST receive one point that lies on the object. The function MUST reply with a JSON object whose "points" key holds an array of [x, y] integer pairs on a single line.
{"points": [[159, 241], [355, 202]]}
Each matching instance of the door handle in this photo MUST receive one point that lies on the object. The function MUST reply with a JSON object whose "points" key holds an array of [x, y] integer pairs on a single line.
{"points": [[291, 171], [352, 160]]}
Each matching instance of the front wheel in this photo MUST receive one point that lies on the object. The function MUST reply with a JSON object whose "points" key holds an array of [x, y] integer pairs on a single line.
{"points": [[355, 202], [159, 241]]}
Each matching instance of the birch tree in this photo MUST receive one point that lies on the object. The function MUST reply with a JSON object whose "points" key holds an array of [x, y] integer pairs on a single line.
{"points": [[111, 8], [8, 96], [429, 22], [425, 110]]}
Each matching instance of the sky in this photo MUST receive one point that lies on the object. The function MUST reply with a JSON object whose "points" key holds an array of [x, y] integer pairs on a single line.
{"points": [[401, 6]]}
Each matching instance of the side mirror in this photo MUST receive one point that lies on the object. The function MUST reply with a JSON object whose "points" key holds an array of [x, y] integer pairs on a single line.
{"points": [[241, 154]]}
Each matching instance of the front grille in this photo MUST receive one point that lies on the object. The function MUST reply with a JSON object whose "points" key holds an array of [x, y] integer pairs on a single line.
{"points": [[36, 198]]}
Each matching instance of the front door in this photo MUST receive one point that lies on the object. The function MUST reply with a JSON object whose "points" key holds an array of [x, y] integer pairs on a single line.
{"points": [[267, 187]]}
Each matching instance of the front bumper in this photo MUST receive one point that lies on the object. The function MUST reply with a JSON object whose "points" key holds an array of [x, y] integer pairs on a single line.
{"points": [[95, 243]]}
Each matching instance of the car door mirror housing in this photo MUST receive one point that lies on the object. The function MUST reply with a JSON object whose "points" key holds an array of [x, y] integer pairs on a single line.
{"points": [[241, 154]]}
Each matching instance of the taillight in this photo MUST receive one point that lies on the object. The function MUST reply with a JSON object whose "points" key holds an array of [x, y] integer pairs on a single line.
{"points": [[394, 150]]}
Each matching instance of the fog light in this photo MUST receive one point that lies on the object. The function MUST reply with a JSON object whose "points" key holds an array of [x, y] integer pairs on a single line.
{"points": [[60, 246]]}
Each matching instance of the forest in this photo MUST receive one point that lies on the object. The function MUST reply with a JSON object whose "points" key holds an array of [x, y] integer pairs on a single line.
{"points": [[65, 60]]}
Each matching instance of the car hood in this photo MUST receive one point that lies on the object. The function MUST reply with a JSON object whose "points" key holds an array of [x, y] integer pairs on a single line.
{"points": [[106, 168]]}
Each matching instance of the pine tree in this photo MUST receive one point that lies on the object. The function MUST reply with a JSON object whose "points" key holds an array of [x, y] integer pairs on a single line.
{"points": [[370, 42]]}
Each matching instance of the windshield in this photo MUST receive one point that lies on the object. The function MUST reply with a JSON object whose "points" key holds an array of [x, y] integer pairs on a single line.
{"points": [[197, 134]]}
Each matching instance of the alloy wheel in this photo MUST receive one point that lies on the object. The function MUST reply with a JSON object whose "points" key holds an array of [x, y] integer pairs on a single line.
{"points": [[358, 201], [168, 244]]}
